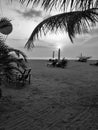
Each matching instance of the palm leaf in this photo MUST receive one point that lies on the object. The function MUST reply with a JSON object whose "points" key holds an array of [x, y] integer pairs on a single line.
{"points": [[10, 59], [18, 53], [6, 49], [73, 22], [10, 71], [63, 4]]}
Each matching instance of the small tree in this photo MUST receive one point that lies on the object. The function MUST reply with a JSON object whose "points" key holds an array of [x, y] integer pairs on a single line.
{"points": [[10, 63]]}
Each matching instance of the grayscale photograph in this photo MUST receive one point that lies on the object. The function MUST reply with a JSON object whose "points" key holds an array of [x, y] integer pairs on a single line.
{"points": [[48, 64]]}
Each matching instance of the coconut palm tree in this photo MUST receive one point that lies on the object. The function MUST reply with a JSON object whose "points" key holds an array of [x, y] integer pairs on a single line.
{"points": [[77, 17], [9, 62]]}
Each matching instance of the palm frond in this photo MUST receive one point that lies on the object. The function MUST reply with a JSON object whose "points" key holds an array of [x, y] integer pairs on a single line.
{"points": [[11, 59], [18, 53], [6, 49], [10, 64], [73, 22], [10, 71], [63, 4]]}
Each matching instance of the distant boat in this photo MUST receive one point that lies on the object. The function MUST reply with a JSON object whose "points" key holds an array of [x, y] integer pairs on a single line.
{"points": [[83, 58]]}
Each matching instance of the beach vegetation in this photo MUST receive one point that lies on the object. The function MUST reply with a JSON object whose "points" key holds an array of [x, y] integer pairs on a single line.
{"points": [[11, 61]]}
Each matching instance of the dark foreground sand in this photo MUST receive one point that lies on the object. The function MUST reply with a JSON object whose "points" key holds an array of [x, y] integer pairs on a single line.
{"points": [[56, 99]]}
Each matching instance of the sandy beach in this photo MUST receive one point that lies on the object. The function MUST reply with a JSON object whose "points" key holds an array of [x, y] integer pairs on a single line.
{"points": [[56, 99]]}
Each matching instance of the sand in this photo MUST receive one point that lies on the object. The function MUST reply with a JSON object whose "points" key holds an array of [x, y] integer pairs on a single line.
{"points": [[56, 99]]}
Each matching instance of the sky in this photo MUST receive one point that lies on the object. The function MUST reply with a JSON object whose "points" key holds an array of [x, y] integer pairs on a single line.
{"points": [[24, 19]]}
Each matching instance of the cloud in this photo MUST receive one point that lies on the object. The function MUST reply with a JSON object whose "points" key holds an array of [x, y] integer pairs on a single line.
{"points": [[31, 13], [92, 38], [93, 41], [44, 44]]}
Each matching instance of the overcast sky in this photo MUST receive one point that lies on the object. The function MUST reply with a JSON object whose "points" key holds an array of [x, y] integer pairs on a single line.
{"points": [[25, 19]]}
